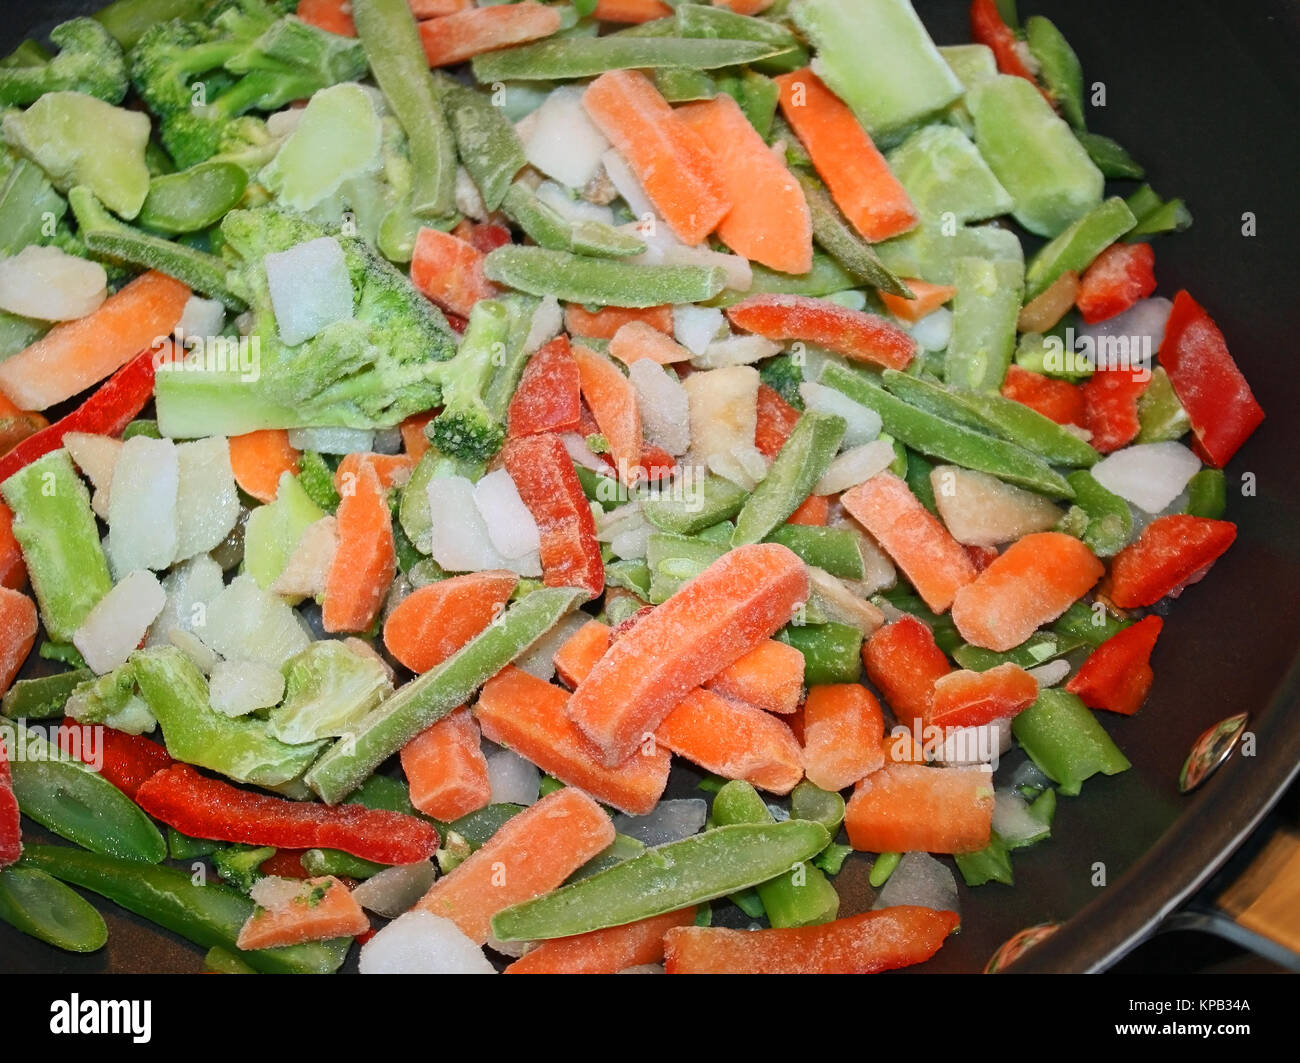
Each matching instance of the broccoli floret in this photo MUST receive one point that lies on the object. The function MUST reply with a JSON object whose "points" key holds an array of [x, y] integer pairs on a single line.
{"points": [[466, 428], [88, 61], [783, 375]]}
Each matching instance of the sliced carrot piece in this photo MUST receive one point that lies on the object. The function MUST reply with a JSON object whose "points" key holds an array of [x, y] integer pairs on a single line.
{"points": [[454, 38], [449, 271], [324, 908], [1117, 675], [859, 179], [548, 398], [770, 677], [365, 562], [1058, 400], [639, 339], [632, 11], [913, 537], [527, 714], [843, 732], [445, 769], [612, 401], [259, 459], [16, 425], [13, 570], [332, 16], [903, 662], [776, 420], [414, 440], [434, 621], [769, 220], [393, 470], [906, 807], [423, 9], [814, 511], [669, 158], [740, 600], [76, 354], [928, 298], [531, 854], [1032, 583], [745, 7], [604, 951], [580, 652], [859, 336], [602, 324], [18, 626], [734, 740], [858, 944], [971, 699]]}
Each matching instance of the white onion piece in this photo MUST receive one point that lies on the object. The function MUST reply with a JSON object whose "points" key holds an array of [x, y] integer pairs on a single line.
{"points": [[240, 687], [625, 182], [670, 821], [49, 284], [695, 327], [514, 780], [933, 331], [200, 318], [663, 404], [921, 880], [563, 141], [332, 440], [863, 424], [142, 519], [547, 323], [246, 622], [207, 502], [96, 457], [395, 889], [745, 349], [421, 943], [190, 586], [114, 627], [274, 892], [578, 450], [855, 466], [1051, 673], [1012, 820], [310, 288], [510, 525], [570, 209], [1146, 317], [539, 659], [1150, 475], [972, 746]]}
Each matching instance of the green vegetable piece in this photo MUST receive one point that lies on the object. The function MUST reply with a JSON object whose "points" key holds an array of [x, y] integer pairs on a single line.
{"points": [[413, 504], [219, 961], [56, 529], [1034, 154], [831, 859], [1160, 414], [679, 85], [1043, 809], [429, 697], [833, 549], [79, 140], [40, 699], [336, 862], [383, 792], [709, 500], [111, 700], [620, 849], [141, 426], [193, 199], [18, 332], [798, 466], [918, 480], [972, 63], [882, 868], [984, 314], [238, 864], [240, 748], [944, 173], [825, 277], [1039, 648], [1155, 215], [486, 140], [607, 492], [577, 279], [1207, 494], [633, 576], [44, 908], [673, 559], [1077, 245], [1110, 521], [1066, 741], [832, 652], [1058, 67], [62, 652], [183, 847], [990, 864], [1091, 623], [478, 826], [878, 58], [931, 250], [1109, 155], [717, 23], [74, 801], [700, 868], [842, 242], [127, 20], [757, 96], [749, 902], [549, 229], [561, 58], [273, 530], [821, 806], [316, 478], [328, 689], [210, 914], [27, 200]]}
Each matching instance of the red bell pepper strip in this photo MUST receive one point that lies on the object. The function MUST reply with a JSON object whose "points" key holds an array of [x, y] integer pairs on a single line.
{"points": [[485, 236], [1117, 278], [903, 662], [1218, 401], [860, 944], [548, 398], [126, 761], [286, 863], [209, 808], [972, 699], [859, 336], [1117, 675], [1170, 552], [776, 420], [13, 570], [11, 838], [987, 27], [1057, 400], [1110, 404], [549, 486]]}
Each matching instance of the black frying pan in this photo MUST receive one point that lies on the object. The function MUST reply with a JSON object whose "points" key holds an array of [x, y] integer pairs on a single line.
{"points": [[1204, 95]]}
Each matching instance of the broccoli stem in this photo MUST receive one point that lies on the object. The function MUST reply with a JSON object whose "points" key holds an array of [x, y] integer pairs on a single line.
{"points": [[127, 20]]}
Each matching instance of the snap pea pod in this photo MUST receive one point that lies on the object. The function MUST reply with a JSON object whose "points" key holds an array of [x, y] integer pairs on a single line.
{"points": [[1109, 156], [937, 438], [673, 559], [1062, 736], [183, 847], [604, 490], [717, 23], [1207, 494], [984, 312], [1161, 416], [831, 859], [600, 282], [39, 699], [826, 807], [990, 864], [831, 651], [842, 242], [193, 199], [833, 549], [707, 502], [582, 57], [549, 229], [620, 849], [882, 868], [1155, 215], [798, 466], [397, 61], [76, 802], [335, 862], [209, 915], [429, 697], [1077, 245], [757, 96], [1110, 521], [44, 908], [631, 576], [800, 895], [1039, 648], [825, 277], [749, 902], [486, 141], [1058, 67], [694, 870], [917, 476], [127, 20], [1090, 623], [677, 84]]}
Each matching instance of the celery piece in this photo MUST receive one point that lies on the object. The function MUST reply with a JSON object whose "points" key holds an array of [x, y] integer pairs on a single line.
{"points": [[798, 466], [56, 529], [1077, 245], [984, 314], [28, 203], [1058, 67], [944, 173], [273, 530], [110, 699], [826, 807], [336, 862], [328, 688], [577, 279], [878, 58], [578, 57], [1034, 154], [831, 859], [1066, 741]]}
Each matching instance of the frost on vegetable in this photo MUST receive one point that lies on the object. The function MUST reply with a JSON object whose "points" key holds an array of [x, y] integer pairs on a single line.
{"points": [[207, 503], [119, 620], [143, 526], [244, 622], [310, 288], [49, 284], [562, 141], [236, 688], [981, 510], [328, 688]]}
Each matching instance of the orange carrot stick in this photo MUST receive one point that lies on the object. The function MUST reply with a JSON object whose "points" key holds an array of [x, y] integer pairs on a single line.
{"points": [[16, 425], [602, 324], [671, 160], [604, 951], [423, 9], [859, 336], [631, 10], [393, 470], [1032, 583], [929, 297], [814, 511], [17, 633], [259, 459], [858, 177], [913, 537], [612, 401], [365, 561], [414, 441], [769, 220], [638, 339], [323, 908], [454, 38], [332, 16], [903, 663], [770, 677], [776, 420], [445, 769], [434, 621], [908, 807], [527, 715], [734, 740], [449, 271], [972, 699], [548, 398], [531, 854], [737, 602], [744, 7], [842, 733], [580, 652]]}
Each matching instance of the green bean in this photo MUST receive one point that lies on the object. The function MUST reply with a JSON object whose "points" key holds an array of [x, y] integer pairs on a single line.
{"points": [[706, 502], [1110, 521], [1058, 67], [486, 140], [44, 908], [1091, 623], [1039, 648], [798, 466], [597, 282], [1076, 247], [1155, 215], [716, 23], [1109, 156], [1160, 414], [581, 57], [833, 549], [700, 868], [882, 868], [674, 559], [549, 229], [193, 199], [38, 699], [183, 847], [335, 862], [842, 242], [831, 651], [824, 278], [1207, 494], [1066, 741]]}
